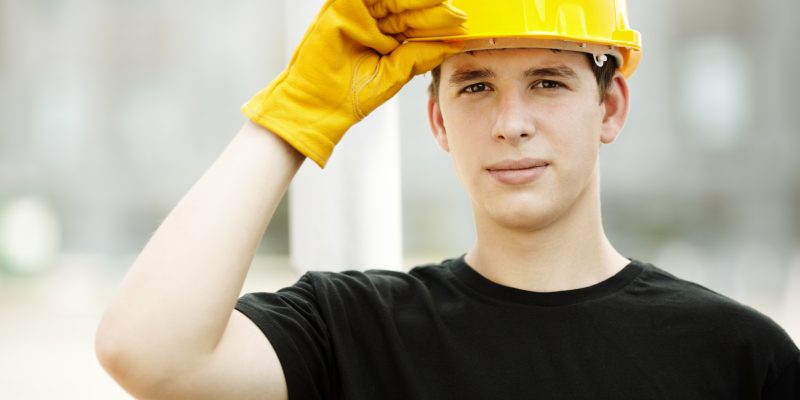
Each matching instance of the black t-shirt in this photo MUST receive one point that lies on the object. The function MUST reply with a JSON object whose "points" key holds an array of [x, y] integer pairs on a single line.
{"points": [[445, 332]]}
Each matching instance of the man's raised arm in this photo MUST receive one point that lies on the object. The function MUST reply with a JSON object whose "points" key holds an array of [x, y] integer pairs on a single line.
{"points": [[172, 332], [163, 334]]}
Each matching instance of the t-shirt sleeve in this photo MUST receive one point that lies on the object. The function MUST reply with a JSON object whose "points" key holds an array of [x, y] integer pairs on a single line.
{"points": [[292, 322], [786, 385]]}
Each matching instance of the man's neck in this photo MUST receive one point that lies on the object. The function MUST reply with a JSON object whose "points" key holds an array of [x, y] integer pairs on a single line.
{"points": [[571, 253]]}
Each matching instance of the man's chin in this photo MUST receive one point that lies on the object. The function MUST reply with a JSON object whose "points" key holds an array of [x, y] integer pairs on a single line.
{"points": [[527, 219]]}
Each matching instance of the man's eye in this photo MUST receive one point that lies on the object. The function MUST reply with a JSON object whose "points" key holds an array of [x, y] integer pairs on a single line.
{"points": [[475, 87], [547, 84]]}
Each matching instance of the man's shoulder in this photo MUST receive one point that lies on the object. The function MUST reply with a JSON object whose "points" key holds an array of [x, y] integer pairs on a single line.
{"points": [[381, 275], [382, 282], [680, 292], [690, 301]]}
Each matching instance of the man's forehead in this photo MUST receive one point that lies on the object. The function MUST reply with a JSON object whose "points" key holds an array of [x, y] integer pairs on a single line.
{"points": [[501, 57], [527, 62]]}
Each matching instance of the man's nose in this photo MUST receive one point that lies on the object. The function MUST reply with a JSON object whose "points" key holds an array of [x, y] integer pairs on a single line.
{"points": [[515, 119]]}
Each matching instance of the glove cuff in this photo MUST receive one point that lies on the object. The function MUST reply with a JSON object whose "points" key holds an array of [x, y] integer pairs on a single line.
{"points": [[311, 144]]}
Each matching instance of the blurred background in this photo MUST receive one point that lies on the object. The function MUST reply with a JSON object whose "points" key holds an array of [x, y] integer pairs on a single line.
{"points": [[111, 109]]}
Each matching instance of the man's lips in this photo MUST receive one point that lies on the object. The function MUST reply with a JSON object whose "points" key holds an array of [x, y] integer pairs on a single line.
{"points": [[517, 172], [523, 163]]}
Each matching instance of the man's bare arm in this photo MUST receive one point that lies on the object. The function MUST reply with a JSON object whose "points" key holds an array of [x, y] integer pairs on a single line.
{"points": [[171, 332]]}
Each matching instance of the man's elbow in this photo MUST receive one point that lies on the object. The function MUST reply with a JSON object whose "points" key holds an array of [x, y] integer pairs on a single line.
{"points": [[130, 368]]}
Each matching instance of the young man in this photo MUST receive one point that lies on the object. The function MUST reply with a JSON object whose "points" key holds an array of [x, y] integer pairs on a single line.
{"points": [[542, 306]]}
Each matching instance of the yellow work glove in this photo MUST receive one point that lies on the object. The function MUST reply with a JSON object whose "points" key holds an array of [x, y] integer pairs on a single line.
{"points": [[351, 60]]}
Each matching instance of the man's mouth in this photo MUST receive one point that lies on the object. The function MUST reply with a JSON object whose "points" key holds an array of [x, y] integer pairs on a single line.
{"points": [[519, 171]]}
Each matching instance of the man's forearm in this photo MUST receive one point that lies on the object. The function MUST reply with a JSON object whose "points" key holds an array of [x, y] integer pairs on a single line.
{"points": [[176, 300]]}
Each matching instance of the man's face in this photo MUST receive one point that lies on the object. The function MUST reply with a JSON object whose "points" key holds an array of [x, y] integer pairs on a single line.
{"points": [[524, 128]]}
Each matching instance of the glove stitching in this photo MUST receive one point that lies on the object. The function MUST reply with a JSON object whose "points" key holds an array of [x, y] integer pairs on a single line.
{"points": [[358, 86]]}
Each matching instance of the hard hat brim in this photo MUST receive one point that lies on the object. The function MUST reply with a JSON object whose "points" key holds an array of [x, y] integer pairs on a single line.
{"points": [[627, 57]]}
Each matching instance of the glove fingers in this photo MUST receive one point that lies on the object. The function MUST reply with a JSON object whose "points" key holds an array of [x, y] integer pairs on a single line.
{"points": [[382, 80], [423, 33], [414, 58], [382, 8], [352, 19], [441, 18]]}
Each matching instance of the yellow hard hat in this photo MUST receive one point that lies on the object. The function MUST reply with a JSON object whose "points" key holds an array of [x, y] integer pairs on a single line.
{"points": [[599, 27]]}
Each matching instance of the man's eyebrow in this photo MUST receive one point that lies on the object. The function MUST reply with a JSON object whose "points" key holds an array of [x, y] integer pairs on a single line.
{"points": [[559, 71], [470, 74]]}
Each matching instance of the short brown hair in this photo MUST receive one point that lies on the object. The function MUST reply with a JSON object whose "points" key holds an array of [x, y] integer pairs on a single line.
{"points": [[603, 74]]}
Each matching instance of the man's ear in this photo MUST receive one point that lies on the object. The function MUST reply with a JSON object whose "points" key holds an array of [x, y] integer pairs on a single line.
{"points": [[615, 105], [436, 121]]}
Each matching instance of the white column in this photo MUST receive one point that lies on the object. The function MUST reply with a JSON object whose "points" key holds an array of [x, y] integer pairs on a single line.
{"points": [[347, 216]]}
